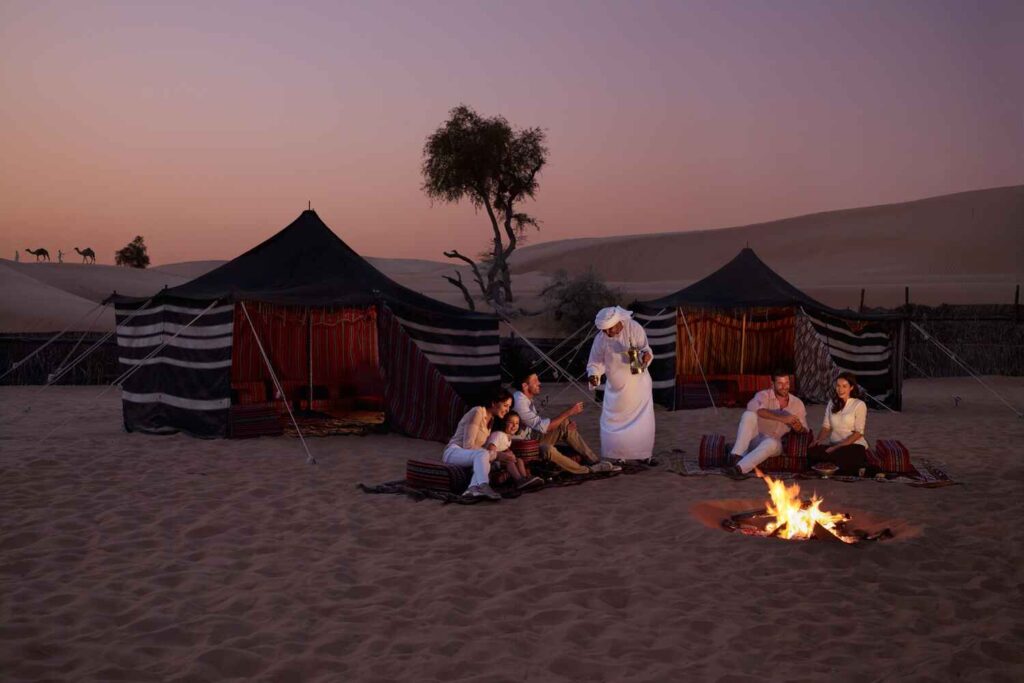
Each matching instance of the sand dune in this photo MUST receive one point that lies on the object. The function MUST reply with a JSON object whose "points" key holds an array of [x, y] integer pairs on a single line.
{"points": [[97, 282], [28, 305], [142, 558], [961, 248]]}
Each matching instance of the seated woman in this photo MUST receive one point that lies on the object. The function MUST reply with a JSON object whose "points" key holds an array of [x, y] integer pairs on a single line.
{"points": [[467, 446], [841, 440], [502, 440]]}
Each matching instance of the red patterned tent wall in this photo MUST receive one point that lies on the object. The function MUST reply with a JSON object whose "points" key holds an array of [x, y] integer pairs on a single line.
{"points": [[336, 347]]}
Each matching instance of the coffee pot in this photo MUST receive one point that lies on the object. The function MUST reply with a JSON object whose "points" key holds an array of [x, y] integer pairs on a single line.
{"points": [[636, 364]]}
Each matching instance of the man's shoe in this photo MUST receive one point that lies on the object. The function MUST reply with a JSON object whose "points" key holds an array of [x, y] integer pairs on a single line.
{"points": [[605, 466], [734, 472], [530, 482], [482, 491]]}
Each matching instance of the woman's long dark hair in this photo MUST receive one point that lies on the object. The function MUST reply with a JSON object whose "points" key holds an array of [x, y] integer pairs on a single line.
{"points": [[837, 403], [499, 395]]}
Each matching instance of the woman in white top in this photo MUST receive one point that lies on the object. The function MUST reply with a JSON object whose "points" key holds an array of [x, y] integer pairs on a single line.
{"points": [[468, 447], [841, 440]]}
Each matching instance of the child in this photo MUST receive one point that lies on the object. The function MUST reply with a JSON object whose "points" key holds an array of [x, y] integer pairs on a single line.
{"points": [[502, 441]]}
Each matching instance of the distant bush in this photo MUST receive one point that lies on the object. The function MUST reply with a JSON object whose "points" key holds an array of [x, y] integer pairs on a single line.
{"points": [[132, 254], [576, 300]]}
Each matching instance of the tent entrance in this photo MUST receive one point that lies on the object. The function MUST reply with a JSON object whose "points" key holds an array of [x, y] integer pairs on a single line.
{"points": [[326, 359], [737, 350]]}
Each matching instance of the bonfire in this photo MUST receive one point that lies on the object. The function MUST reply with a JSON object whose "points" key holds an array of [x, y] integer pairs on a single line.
{"points": [[788, 516]]}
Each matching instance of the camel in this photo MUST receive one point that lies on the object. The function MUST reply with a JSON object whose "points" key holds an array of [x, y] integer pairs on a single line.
{"points": [[88, 255], [40, 254]]}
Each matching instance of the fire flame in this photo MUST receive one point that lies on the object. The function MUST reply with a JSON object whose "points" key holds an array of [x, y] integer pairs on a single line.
{"points": [[793, 519]]}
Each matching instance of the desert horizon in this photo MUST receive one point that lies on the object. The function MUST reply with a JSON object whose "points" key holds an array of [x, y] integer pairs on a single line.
{"points": [[940, 264]]}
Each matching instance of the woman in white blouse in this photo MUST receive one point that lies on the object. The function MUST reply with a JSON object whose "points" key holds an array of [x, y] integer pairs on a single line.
{"points": [[469, 448], [841, 440]]}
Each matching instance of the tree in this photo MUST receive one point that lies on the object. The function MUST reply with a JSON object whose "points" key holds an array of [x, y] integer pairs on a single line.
{"points": [[495, 167], [575, 301], [132, 254]]}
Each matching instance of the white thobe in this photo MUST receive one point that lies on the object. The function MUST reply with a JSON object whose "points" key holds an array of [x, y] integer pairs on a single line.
{"points": [[627, 416]]}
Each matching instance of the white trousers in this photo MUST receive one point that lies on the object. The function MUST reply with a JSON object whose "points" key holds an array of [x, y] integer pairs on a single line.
{"points": [[752, 445], [478, 458]]}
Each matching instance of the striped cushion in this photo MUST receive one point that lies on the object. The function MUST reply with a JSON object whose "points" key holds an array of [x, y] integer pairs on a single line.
{"points": [[795, 445], [713, 452], [890, 455], [784, 463], [528, 449], [794, 454], [438, 476]]}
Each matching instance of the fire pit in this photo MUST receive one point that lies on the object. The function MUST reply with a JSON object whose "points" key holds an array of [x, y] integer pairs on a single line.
{"points": [[789, 517]]}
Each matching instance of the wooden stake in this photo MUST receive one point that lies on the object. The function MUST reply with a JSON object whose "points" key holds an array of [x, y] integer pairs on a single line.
{"points": [[906, 296], [861, 309], [743, 341]]}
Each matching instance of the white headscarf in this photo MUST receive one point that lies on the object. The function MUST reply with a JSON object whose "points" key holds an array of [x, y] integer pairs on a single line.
{"points": [[607, 317]]}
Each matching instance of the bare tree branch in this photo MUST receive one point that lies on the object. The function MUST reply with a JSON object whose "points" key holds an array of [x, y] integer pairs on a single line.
{"points": [[465, 292], [454, 253]]}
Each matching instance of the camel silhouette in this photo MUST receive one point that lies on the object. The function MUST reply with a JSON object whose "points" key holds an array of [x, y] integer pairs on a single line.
{"points": [[40, 254], [88, 255]]}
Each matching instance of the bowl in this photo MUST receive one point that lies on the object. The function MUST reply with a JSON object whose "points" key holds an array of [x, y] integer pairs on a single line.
{"points": [[825, 469]]}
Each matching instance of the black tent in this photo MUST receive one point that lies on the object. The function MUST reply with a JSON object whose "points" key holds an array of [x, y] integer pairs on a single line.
{"points": [[736, 325], [333, 327]]}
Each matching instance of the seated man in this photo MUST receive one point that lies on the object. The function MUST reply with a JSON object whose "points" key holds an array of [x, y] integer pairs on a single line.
{"points": [[555, 430], [770, 414]]}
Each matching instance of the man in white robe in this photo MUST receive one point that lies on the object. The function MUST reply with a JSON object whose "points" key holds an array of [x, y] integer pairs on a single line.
{"points": [[627, 415]]}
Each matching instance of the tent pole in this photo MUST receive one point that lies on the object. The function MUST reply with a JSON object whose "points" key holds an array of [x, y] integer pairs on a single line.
{"points": [[743, 340], [697, 358], [309, 353], [309, 456]]}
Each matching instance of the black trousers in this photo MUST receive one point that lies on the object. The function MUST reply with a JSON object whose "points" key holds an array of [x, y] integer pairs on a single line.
{"points": [[850, 459]]}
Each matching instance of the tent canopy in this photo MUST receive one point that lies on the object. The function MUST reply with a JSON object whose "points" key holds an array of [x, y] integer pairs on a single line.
{"points": [[306, 264], [745, 282]]}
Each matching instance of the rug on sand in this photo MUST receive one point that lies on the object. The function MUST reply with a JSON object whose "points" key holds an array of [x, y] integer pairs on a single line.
{"points": [[555, 480], [925, 474]]}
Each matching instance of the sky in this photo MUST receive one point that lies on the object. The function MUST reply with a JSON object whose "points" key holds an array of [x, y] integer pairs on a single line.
{"points": [[207, 127]]}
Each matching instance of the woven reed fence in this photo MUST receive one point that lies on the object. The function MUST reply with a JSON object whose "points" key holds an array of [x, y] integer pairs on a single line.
{"points": [[99, 367], [989, 339]]}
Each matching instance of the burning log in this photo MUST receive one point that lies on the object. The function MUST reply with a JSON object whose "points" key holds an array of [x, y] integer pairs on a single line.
{"points": [[789, 517]]}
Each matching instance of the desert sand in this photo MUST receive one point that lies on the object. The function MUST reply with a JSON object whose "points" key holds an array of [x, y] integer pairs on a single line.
{"points": [[134, 557]]}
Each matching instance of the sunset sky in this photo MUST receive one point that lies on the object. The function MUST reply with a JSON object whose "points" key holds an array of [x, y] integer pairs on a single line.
{"points": [[207, 126]]}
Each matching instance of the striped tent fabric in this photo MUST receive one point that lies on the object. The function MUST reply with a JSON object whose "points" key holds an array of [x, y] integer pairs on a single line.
{"points": [[815, 370], [420, 402], [464, 350], [313, 300], [181, 371], [660, 326], [865, 348]]}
